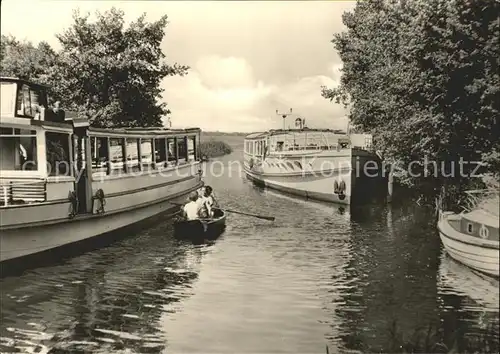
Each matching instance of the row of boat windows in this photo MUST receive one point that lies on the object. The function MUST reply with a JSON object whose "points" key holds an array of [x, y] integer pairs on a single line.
{"points": [[116, 155], [19, 151], [483, 231], [255, 147]]}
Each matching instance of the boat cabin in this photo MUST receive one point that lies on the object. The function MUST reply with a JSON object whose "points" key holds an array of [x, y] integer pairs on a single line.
{"points": [[479, 223]]}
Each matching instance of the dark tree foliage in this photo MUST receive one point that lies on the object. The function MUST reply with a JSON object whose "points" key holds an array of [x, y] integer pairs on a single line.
{"points": [[105, 71], [422, 76]]}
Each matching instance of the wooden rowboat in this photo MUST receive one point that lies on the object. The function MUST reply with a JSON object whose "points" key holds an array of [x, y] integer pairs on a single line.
{"points": [[201, 228]]}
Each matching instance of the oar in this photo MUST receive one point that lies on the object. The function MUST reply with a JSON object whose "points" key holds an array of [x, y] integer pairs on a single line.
{"points": [[270, 218]]}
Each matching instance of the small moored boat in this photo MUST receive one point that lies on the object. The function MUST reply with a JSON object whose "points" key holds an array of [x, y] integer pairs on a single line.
{"points": [[472, 237], [201, 228]]}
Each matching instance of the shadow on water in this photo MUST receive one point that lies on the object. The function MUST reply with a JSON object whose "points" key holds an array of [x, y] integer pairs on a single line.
{"points": [[64, 253], [101, 301]]}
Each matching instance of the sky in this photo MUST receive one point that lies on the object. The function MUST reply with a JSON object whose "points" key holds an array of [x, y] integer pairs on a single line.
{"points": [[247, 59]]}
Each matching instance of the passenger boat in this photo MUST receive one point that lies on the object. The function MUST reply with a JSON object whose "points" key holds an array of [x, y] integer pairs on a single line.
{"points": [[471, 237], [321, 164], [201, 228], [63, 182]]}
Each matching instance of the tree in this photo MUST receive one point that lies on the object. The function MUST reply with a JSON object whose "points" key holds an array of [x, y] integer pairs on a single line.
{"points": [[422, 76], [25, 61]]}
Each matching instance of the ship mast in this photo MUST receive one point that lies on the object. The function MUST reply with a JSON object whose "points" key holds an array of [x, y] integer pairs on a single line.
{"points": [[284, 115]]}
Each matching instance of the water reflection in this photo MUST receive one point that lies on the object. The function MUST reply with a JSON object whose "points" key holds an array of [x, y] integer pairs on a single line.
{"points": [[364, 279], [468, 298], [102, 301]]}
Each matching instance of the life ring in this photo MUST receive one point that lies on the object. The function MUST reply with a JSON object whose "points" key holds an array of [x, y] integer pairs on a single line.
{"points": [[339, 188]]}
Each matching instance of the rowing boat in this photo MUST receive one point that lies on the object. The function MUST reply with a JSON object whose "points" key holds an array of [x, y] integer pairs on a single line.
{"points": [[201, 228]]}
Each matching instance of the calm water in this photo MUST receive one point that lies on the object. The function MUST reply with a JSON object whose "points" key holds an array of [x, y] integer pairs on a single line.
{"points": [[355, 280]]}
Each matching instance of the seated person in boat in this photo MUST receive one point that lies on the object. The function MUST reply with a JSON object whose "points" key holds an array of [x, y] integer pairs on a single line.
{"points": [[209, 195], [55, 113], [191, 209], [207, 202]]}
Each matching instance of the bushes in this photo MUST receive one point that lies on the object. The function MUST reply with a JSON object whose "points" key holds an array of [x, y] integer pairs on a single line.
{"points": [[214, 148]]}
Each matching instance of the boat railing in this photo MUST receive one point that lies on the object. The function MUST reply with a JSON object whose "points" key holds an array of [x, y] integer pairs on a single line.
{"points": [[21, 192]]}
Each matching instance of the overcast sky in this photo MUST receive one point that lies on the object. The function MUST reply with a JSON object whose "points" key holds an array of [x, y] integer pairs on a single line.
{"points": [[247, 58]]}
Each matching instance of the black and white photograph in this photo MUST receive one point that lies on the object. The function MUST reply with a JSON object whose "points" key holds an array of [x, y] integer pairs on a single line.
{"points": [[254, 177]]}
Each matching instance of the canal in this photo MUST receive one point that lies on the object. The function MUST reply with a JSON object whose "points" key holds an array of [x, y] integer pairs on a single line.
{"points": [[370, 279]]}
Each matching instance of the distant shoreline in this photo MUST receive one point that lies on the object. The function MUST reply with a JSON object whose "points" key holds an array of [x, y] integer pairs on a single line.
{"points": [[211, 133]]}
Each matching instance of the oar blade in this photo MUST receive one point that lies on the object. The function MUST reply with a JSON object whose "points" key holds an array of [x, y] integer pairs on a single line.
{"points": [[270, 218]]}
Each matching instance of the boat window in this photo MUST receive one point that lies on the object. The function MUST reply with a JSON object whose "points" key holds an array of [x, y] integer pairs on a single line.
{"points": [[30, 101], [290, 165], [133, 158], [299, 165], [172, 157], [99, 149], [191, 147], [147, 154], [160, 152], [470, 228], [116, 155], [8, 98], [58, 154], [279, 146], [18, 150]]}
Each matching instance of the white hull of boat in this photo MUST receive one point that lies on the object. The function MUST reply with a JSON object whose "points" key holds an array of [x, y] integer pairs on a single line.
{"points": [[455, 277], [318, 187], [478, 254], [24, 241]]}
